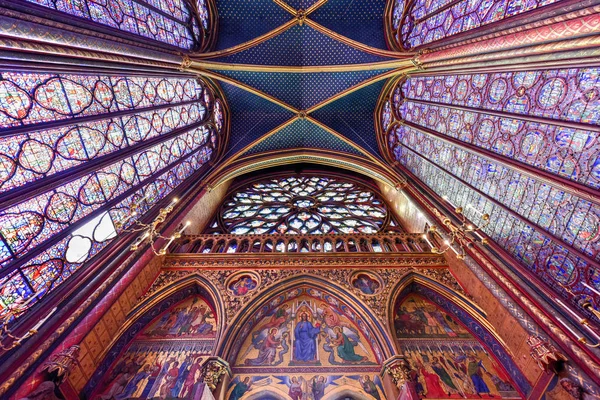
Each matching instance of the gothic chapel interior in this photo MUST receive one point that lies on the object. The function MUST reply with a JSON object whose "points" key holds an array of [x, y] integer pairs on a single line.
{"points": [[300, 199]]}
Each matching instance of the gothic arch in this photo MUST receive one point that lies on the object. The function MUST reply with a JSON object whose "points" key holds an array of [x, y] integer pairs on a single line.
{"points": [[146, 313], [229, 347], [342, 393], [377, 171], [466, 312]]}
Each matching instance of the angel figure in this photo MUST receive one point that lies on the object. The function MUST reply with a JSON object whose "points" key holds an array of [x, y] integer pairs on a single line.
{"points": [[317, 387], [267, 347], [242, 386], [342, 340], [298, 388], [369, 386]]}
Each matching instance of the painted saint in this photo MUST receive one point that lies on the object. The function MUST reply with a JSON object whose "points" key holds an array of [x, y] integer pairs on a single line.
{"points": [[366, 284], [242, 285], [267, 348], [240, 389], [369, 387]]}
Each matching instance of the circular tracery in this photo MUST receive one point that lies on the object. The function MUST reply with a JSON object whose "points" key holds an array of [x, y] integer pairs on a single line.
{"points": [[302, 205]]}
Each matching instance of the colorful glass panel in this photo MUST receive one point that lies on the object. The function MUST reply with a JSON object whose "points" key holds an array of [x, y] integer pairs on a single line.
{"points": [[538, 251], [491, 111], [164, 21], [74, 220], [28, 97], [38, 154], [29, 223], [429, 21], [52, 267], [546, 119], [302, 205], [570, 219]]}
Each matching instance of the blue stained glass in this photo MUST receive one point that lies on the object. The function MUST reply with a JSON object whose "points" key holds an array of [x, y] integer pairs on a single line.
{"points": [[164, 21], [301, 205]]}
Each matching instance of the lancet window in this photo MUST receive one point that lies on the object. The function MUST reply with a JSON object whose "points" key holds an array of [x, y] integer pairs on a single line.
{"points": [[77, 151], [303, 204], [418, 23], [173, 22], [479, 139]]}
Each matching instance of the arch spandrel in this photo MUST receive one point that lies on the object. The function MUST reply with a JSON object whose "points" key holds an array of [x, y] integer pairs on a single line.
{"points": [[450, 345], [306, 338], [172, 331]]}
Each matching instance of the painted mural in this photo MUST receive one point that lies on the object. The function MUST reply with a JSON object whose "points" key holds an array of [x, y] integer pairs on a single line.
{"points": [[305, 332], [446, 360], [305, 387], [165, 359], [417, 317], [306, 345]]}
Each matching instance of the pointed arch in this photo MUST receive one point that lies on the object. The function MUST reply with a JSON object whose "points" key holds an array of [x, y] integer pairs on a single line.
{"points": [[243, 323], [470, 316], [148, 312]]}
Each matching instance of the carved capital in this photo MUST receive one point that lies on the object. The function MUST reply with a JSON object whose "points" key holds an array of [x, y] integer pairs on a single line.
{"points": [[186, 63], [300, 16], [399, 369], [212, 371], [60, 365]]}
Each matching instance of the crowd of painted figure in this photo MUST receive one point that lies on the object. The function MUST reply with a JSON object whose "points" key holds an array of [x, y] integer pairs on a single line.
{"points": [[184, 321], [443, 375], [154, 376]]}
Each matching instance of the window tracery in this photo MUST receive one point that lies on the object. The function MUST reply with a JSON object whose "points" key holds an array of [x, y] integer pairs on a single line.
{"points": [[425, 22], [49, 235], [546, 119], [172, 22], [303, 205]]}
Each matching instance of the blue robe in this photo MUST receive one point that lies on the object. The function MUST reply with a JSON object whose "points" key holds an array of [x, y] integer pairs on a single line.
{"points": [[305, 348]]}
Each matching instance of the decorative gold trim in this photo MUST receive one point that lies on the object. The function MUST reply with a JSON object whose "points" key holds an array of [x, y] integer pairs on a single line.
{"points": [[247, 45], [390, 74], [203, 64], [358, 45], [263, 137], [248, 88], [348, 162], [285, 6], [316, 5], [341, 137]]}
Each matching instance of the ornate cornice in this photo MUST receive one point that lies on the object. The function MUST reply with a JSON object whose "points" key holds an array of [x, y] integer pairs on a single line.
{"points": [[303, 260]]}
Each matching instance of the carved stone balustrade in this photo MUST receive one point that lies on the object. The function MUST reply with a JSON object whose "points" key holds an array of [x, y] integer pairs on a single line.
{"points": [[298, 251], [350, 243]]}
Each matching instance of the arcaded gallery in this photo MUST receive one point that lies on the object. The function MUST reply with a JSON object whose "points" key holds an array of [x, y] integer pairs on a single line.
{"points": [[299, 199]]}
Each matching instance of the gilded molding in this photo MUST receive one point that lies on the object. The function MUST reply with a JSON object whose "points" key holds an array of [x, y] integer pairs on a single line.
{"points": [[378, 304]]}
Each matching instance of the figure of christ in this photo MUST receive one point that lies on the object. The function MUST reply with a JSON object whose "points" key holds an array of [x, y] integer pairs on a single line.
{"points": [[267, 350], [305, 334]]}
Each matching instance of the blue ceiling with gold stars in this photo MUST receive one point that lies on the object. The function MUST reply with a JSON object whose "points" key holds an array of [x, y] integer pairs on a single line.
{"points": [[301, 74]]}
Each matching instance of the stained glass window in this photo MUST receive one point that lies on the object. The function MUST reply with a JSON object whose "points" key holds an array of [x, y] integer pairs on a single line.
{"points": [[491, 111], [146, 135], [302, 205], [168, 21], [467, 136], [428, 21]]}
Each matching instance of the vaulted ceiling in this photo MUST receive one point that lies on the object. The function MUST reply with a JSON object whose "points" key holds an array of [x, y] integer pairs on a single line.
{"points": [[299, 75]]}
